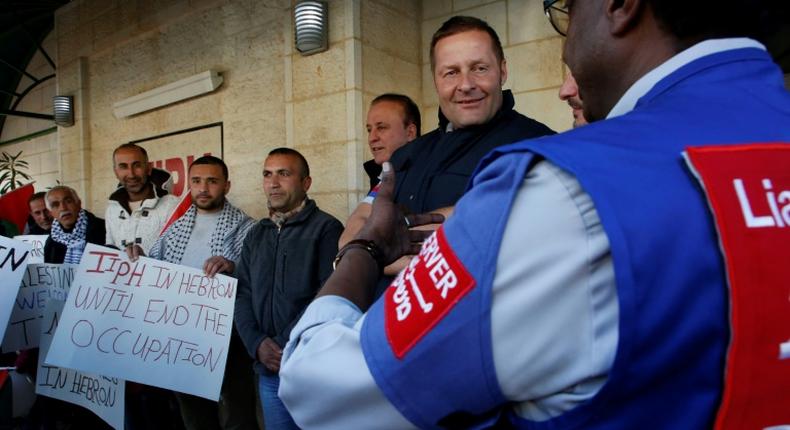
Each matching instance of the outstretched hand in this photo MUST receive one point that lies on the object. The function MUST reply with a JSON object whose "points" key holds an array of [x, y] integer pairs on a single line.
{"points": [[389, 228]]}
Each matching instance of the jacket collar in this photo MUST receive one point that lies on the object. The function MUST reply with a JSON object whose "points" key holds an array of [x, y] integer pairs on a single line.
{"points": [[372, 169], [155, 181], [651, 79], [122, 197], [301, 216]]}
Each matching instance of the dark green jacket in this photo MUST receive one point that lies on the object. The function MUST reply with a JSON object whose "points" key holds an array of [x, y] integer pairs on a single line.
{"points": [[280, 272]]}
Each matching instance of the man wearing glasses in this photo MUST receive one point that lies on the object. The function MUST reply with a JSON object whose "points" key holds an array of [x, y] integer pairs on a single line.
{"points": [[579, 282]]}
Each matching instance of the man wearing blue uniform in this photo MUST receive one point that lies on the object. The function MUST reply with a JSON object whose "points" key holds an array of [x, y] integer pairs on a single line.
{"points": [[579, 282]]}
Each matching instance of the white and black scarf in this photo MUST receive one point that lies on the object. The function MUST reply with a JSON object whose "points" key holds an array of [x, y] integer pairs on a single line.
{"points": [[74, 241], [176, 237]]}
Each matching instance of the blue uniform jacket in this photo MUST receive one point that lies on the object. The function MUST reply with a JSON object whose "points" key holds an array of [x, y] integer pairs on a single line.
{"points": [[670, 279]]}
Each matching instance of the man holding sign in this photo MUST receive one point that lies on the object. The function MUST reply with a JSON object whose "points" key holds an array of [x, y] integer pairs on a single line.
{"points": [[212, 221]]}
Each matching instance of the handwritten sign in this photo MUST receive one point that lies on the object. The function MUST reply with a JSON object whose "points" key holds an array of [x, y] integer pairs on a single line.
{"points": [[101, 395], [13, 262], [37, 241], [146, 321], [40, 284]]}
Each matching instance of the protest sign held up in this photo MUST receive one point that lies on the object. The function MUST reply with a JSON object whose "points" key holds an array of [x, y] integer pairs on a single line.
{"points": [[147, 321], [101, 395], [40, 284], [37, 241], [13, 262]]}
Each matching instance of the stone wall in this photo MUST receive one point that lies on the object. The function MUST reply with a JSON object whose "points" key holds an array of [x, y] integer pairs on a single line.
{"points": [[110, 51], [533, 51], [272, 96]]}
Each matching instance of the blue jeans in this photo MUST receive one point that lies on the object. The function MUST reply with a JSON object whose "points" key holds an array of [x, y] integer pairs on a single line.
{"points": [[275, 415]]}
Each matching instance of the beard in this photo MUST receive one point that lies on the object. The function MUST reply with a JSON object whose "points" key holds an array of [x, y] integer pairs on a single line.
{"points": [[209, 205]]}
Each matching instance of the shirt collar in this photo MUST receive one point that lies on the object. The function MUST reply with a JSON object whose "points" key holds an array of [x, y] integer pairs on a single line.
{"points": [[641, 87], [279, 218]]}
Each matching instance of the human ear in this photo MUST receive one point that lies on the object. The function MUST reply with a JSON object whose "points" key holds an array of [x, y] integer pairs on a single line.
{"points": [[623, 15]]}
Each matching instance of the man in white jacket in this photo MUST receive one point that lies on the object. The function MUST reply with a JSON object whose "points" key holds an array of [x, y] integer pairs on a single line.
{"points": [[139, 208]]}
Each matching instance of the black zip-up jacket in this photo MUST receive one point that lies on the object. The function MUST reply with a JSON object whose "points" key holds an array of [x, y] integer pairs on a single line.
{"points": [[280, 272], [432, 171]]}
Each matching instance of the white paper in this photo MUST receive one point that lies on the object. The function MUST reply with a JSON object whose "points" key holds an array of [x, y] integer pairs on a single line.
{"points": [[149, 321], [13, 262], [101, 395], [37, 241], [41, 283]]}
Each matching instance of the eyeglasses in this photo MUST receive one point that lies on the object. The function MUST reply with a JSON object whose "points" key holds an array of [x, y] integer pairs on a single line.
{"points": [[557, 12]]}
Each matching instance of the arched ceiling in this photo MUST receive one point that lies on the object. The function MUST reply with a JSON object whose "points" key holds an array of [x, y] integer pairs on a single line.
{"points": [[23, 26]]}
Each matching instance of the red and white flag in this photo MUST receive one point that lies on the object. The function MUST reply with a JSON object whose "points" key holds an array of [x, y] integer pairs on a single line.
{"points": [[14, 207], [178, 211]]}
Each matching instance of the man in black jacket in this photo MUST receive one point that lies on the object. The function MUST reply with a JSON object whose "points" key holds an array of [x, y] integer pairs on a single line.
{"points": [[475, 116], [284, 261], [72, 228], [40, 220]]}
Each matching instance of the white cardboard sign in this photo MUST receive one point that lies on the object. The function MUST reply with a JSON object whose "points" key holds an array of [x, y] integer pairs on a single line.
{"points": [[101, 395], [37, 241], [40, 284], [147, 321], [13, 262]]}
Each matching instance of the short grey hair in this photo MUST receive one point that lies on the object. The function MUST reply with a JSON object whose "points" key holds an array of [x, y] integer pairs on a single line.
{"points": [[60, 188]]}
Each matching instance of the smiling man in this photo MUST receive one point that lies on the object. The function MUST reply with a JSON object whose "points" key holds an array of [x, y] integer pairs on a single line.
{"points": [[580, 282], [393, 121], [285, 260], [140, 206], [136, 213], [72, 227], [475, 116]]}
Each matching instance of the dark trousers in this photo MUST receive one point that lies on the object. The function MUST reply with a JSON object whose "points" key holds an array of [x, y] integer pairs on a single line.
{"points": [[236, 407]]}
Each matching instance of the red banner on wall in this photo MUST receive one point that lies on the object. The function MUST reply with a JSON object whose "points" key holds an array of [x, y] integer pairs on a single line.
{"points": [[178, 167], [748, 189]]}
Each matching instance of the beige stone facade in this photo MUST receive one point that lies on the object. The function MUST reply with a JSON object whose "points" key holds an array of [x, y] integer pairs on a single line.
{"points": [[108, 51]]}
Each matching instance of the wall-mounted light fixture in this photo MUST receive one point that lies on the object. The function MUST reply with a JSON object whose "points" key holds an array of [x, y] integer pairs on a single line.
{"points": [[64, 110], [177, 91], [311, 19]]}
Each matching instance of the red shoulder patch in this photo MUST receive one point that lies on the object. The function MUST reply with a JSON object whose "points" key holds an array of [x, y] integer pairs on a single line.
{"points": [[748, 189], [423, 293]]}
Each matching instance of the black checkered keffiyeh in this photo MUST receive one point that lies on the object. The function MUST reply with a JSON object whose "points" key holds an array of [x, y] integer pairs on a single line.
{"points": [[172, 243], [74, 241]]}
